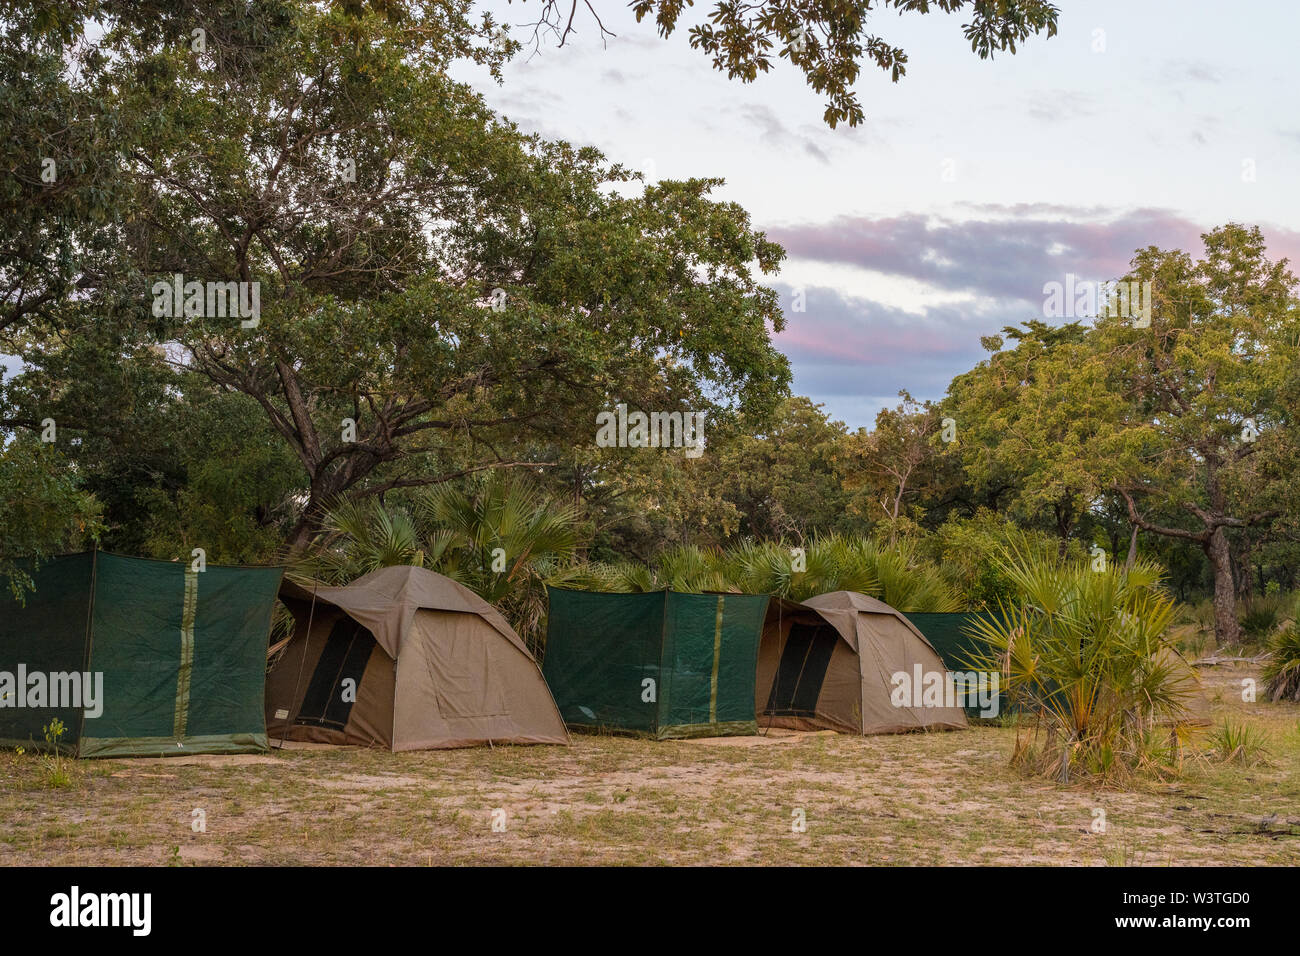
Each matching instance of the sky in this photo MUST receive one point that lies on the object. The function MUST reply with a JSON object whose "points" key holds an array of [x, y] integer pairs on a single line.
{"points": [[971, 184]]}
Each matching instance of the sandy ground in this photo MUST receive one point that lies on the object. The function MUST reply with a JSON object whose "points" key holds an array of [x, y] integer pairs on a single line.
{"points": [[944, 798]]}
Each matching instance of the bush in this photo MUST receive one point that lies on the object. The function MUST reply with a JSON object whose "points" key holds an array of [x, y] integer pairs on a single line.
{"points": [[1082, 654], [1238, 743], [1260, 615], [1282, 666]]}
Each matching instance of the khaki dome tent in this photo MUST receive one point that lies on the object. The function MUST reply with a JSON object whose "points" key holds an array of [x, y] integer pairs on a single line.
{"points": [[828, 664], [406, 659]]}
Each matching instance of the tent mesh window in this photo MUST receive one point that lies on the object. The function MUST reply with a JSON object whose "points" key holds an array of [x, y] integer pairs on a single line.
{"points": [[328, 700], [801, 671]]}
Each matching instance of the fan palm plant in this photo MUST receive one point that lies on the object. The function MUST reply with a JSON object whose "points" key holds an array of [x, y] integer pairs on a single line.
{"points": [[904, 581], [686, 568], [1282, 666], [1082, 654], [502, 538], [360, 536], [826, 564]]}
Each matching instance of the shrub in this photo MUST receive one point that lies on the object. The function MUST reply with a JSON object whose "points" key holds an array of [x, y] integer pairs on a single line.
{"points": [[1082, 654], [1282, 666]]}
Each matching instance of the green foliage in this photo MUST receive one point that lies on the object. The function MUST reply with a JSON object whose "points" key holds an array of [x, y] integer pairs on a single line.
{"points": [[1281, 671], [970, 553], [502, 538], [1081, 652], [1238, 742], [1031, 422], [43, 511], [57, 770], [898, 468], [469, 288], [1261, 614], [233, 485], [831, 563], [827, 40]]}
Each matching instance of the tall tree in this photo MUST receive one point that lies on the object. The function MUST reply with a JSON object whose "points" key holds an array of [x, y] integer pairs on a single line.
{"points": [[1030, 420], [1208, 436], [894, 468], [436, 292]]}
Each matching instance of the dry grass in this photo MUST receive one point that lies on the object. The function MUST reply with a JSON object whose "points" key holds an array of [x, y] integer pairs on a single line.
{"points": [[916, 799]]}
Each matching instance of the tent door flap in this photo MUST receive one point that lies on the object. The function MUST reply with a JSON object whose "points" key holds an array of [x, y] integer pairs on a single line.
{"points": [[799, 676], [328, 701]]}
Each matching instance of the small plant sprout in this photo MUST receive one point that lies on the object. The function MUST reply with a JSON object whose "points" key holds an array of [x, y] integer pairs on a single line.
{"points": [[1238, 743], [57, 774]]}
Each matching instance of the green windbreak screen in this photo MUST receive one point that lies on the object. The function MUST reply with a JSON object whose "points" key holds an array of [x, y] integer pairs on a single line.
{"points": [[600, 650], [710, 655], [183, 656], [227, 688], [948, 634], [661, 663], [44, 634]]}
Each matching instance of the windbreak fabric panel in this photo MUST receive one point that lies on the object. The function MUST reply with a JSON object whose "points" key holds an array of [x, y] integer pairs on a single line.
{"points": [[46, 632], [663, 663], [710, 656], [141, 657], [600, 651], [183, 657]]}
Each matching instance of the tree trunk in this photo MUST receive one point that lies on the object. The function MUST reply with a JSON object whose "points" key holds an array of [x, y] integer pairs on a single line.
{"points": [[1226, 631], [303, 531], [1132, 550], [1064, 524]]}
